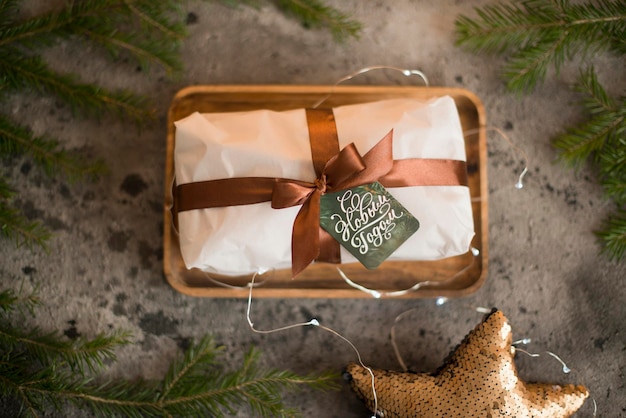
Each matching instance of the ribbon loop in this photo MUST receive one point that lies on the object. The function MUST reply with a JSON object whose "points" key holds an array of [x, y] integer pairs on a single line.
{"points": [[320, 184], [340, 168]]}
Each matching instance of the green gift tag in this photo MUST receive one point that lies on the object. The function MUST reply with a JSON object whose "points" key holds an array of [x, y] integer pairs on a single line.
{"points": [[367, 221]]}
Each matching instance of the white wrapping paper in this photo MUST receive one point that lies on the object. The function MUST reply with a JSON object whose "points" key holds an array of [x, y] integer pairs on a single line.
{"points": [[255, 238]]}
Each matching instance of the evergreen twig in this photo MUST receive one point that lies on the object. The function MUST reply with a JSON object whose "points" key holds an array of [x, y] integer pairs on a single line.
{"points": [[20, 71], [78, 355], [108, 22], [602, 139], [46, 152], [39, 370], [540, 34], [314, 13]]}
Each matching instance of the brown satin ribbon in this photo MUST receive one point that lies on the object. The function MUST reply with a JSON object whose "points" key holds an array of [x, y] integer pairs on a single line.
{"points": [[336, 170], [324, 144]]}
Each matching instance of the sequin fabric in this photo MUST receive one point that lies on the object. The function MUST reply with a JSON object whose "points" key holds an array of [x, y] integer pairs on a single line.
{"points": [[478, 379]]}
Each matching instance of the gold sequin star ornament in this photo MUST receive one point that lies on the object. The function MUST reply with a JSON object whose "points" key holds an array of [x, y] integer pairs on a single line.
{"points": [[479, 379]]}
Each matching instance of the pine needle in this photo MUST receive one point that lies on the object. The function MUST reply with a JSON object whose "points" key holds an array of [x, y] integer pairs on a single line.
{"points": [[195, 385]]}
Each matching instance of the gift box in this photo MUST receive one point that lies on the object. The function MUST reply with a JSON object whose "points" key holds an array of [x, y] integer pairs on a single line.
{"points": [[244, 237], [237, 239]]}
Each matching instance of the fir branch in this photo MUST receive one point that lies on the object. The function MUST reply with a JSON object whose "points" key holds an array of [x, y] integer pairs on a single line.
{"points": [[613, 236], [19, 71], [15, 369], [46, 153], [192, 367], [595, 98], [531, 64], [124, 398], [53, 386], [200, 389], [617, 38], [103, 14], [47, 348], [149, 31], [540, 33], [612, 159], [314, 13], [197, 387], [145, 51], [42, 30], [581, 142], [602, 139], [110, 23], [589, 138], [504, 26]]}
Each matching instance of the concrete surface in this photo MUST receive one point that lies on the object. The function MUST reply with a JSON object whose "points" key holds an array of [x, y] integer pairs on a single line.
{"points": [[104, 268]]}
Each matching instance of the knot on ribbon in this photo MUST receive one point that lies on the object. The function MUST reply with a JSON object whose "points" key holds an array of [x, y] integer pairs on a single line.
{"points": [[344, 170], [320, 184]]}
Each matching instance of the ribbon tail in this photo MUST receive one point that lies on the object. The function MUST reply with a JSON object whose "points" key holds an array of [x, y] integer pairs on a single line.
{"points": [[305, 239], [330, 251]]}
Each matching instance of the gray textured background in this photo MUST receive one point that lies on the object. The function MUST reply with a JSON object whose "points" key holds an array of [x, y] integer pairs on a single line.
{"points": [[104, 268]]}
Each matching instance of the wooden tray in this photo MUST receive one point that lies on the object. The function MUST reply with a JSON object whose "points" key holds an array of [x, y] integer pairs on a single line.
{"points": [[450, 277]]}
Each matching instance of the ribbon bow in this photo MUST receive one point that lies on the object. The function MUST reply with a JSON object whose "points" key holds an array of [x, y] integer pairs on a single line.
{"points": [[344, 170]]}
